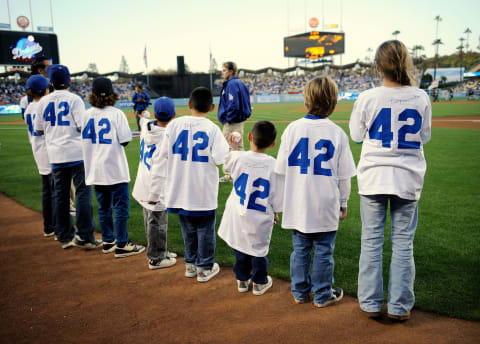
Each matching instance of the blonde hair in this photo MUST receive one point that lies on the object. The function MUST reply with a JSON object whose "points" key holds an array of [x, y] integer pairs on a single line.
{"points": [[394, 62], [231, 66], [320, 95]]}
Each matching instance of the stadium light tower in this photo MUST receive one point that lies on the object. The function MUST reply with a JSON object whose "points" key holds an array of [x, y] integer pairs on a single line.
{"points": [[468, 32]]}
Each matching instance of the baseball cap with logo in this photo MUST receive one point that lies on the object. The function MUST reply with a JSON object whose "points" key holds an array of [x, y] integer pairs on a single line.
{"points": [[164, 108], [37, 83], [59, 75], [102, 87]]}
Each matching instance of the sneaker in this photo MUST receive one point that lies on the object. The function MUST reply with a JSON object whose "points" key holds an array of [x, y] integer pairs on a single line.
{"points": [[225, 179], [171, 254], [49, 234], [108, 247], [129, 249], [68, 244], [372, 315], [260, 289], [301, 301], [164, 263], [86, 244], [337, 295], [399, 317], [243, 286], [190, 270], [204, 275]]}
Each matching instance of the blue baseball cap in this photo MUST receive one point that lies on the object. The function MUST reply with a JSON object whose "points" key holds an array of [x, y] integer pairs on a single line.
{"points": [[164, 108], [59, 75], [37, 83]]}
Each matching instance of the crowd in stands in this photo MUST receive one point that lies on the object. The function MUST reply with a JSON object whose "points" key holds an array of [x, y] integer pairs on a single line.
{"points": [[10, 92]]}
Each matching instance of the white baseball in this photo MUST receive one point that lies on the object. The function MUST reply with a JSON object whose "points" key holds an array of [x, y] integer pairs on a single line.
{"points": [[237, 137]]}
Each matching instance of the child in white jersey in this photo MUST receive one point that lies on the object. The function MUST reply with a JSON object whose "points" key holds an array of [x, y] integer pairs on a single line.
{"points": [[59, 116], [149, 189], [315, 157], [37, 87], [252, 207], [393, 121], [194, 146], [105, 132]]}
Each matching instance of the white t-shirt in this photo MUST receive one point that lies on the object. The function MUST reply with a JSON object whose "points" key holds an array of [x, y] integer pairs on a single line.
{"points": [[314, 155], [394, 124], [104, 157], [144, 190], [193, 147], [59, 117], [37, 141], [24, 102], [256, 195]]}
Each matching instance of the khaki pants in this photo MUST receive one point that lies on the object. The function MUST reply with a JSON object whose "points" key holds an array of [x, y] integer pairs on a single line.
{"points": [[229, 128]]}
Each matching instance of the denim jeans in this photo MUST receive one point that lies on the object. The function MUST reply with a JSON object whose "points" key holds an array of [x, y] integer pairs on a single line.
{"points": [[117, 196], [373, 210], [48, 204], [199, 239], [62, 178], [156, 223], [247, 266], [321, 280]]}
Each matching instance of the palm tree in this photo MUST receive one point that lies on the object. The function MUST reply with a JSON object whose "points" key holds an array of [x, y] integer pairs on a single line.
{"points": [[395, 34], [436, 43], [468, 32], [438, 19]]}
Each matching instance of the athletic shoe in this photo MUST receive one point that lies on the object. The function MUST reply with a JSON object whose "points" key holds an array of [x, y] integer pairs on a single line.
{"points": [[337, 295], [399, 317], [225, 179], [260, 289], [190, 270], [164, 263], [68, 244], [171, 254], [87, 245], [243, 286], [372, 315], [204, 275], [49, 234], [108, 247], [129, 249]]}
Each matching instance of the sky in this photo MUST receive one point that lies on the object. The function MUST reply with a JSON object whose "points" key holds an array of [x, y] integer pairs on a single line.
{"points": [[248, 32]]}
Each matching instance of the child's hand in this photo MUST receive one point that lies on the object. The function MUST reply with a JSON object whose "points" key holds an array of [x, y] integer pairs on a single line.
{"points": [[343, 213], [235, 139], [275, 218]]}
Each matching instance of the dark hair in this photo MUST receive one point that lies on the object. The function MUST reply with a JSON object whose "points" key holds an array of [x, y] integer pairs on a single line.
{"points": [[38, 64], [231, 66], [264, 134], [201, 99], [101, 102], [58, 87], [394, 62], [163, 117], [140, 86], [31, 93]]}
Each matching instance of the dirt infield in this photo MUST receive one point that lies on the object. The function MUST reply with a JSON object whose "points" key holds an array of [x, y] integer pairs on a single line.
{"points": [[50, 295]]}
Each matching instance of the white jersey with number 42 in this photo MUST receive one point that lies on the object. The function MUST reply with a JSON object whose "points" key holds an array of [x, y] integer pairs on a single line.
{"points": [[394, 123]]}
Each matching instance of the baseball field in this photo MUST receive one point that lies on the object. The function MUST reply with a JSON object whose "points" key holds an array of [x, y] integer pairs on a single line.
{"points": [[447, 242]]}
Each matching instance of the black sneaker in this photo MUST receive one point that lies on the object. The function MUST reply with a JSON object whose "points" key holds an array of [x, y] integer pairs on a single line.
{"points": [[337, 295], [87, 245], [129, 249], [48, 234], [108, 247]]}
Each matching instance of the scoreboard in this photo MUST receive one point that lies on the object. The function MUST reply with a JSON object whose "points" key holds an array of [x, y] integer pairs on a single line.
{"points": [[21, 47], [314, 44]]}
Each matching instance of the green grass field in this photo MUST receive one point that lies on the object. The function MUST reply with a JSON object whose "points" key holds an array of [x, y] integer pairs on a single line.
{"points": [[447, 242]]}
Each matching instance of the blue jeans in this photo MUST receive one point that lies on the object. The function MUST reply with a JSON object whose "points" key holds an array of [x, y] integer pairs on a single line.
{"points": [[48, 204], [118, 197], [62, 178], [247, 266], [373, 210], [199, 239], [321, 280]]}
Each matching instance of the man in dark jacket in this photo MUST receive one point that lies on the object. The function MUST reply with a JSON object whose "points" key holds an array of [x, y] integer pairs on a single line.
{"points": [[140, 100], [234, 107]]}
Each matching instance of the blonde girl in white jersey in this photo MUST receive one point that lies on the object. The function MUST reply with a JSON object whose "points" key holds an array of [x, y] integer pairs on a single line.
{"points": [[393, 122]]}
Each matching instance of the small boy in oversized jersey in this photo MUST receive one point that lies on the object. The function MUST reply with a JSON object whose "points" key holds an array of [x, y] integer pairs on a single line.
{"points": [[194, 146], [59, 117], [315, 157], [105, 132], [149, 188], [37, 87], [252, 207]]}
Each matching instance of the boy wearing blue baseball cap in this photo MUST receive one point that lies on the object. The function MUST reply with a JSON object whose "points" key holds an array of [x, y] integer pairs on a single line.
{"points": [[149, 189]]}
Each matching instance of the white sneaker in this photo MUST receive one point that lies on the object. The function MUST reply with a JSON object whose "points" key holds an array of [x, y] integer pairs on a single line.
{"points": [[206, 275], [190, 270], [171, 254], [164, 263], [260, 289], [243, 286]]}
